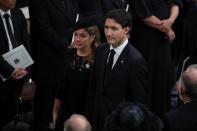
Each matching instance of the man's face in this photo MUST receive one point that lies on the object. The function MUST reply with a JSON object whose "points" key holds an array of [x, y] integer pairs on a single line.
{"points": [[7, 4], [114, 32]]}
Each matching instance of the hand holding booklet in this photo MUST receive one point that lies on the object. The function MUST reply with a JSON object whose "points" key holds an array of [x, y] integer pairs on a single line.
{"points": [[18, 57]]}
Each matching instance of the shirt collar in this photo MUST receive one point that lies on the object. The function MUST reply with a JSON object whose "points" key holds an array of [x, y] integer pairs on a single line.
{"points": [[119, 49], [3, 12]]}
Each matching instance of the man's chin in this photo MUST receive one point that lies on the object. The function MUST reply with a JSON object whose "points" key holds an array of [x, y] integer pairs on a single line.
{"points": [[110, 42], [113, 44], [11, 6]]}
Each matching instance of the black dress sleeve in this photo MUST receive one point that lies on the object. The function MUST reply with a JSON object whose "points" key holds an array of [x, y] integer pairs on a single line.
{"points": [[61, 91], [142, 8]]}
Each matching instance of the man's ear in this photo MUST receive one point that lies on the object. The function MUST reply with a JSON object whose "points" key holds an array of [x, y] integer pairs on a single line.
{"points": [[181, 89], [127, 29]]}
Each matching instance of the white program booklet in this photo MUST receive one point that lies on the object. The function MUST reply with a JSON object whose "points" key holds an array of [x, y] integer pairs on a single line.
{"points": [[18, 57]]}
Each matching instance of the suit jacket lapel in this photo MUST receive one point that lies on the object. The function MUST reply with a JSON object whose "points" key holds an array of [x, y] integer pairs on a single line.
{"points": [[3, 33], [102, 64], [121, 59], [15, 25]]}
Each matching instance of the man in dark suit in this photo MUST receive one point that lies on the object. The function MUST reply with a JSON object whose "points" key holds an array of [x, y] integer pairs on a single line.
{"points": [[184, 118], [51, 33], [120, 70], [13, 32]]}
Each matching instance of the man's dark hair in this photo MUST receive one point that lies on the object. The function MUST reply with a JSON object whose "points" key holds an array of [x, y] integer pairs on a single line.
{"points": [[120, 16]]}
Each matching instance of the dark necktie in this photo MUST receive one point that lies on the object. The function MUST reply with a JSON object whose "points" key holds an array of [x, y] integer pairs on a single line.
{"points": [[110, 59], [108, 67], [10, 32]]}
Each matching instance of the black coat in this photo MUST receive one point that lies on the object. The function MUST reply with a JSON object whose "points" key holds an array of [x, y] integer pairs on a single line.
{"points": [[51, 32], [75, 86], [10, 89], [126, 84], [190, 33], [182, 118]]}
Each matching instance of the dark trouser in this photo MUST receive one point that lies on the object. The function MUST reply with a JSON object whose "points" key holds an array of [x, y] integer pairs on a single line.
{"points": [[43, 105], [9, 93]]}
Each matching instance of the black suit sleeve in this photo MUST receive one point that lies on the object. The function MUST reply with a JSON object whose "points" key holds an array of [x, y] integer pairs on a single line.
{"points": [[24, 36], [5, 68], [138, 82]]}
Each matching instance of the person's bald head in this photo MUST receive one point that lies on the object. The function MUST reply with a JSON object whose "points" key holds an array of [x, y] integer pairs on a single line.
{"points": [[77, 123], [189, 81]]}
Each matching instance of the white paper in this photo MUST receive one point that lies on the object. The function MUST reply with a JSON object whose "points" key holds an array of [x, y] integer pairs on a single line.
{"points": [[18, 57]]}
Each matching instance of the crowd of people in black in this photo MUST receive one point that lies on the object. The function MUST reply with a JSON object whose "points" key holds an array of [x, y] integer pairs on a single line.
{"points": [[102, 65]]}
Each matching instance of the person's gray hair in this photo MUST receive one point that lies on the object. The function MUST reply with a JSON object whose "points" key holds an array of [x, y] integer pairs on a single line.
{"points": [[189, 81]]}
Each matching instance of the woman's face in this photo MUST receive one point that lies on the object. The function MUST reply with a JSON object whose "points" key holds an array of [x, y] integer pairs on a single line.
{"points": [[82, 39]]}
